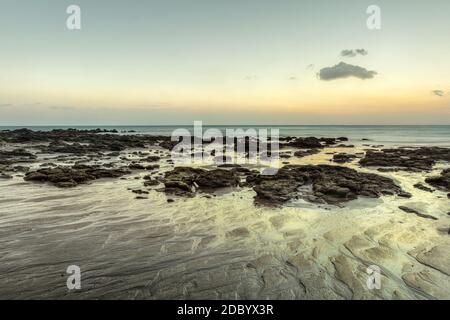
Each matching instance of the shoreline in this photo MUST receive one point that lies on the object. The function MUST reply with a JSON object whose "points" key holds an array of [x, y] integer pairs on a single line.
{"points": [[319, 229]]}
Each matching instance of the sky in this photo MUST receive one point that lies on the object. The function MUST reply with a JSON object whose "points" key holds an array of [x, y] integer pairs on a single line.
{"points": [[173, 62]]}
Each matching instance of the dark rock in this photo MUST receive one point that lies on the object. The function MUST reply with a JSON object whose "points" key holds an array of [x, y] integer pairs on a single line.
{"points": [[422, 187], [345, 146], [136, 166], [152, 167], [343, 157], [328, 141], [151, 183], [409, 210], [65, 177], [185, 180], [408, 159], [305, 143], [442, 182], [81, 141], [152, 158], [405, 194], [330, 184], [15, 156], [140, 191], [305, 153]]}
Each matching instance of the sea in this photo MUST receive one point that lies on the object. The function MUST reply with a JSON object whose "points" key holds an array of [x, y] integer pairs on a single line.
{"points": [[392, 135]]}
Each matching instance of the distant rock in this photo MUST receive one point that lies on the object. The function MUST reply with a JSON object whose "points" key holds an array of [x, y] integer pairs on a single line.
{"points": [[408, 159]]}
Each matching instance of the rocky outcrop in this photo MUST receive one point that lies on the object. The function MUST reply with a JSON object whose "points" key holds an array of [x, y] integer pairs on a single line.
{"points": [[441, 182], [343, 157], [408, 159], [305, 153], [15, 156], [321, 183], [422, 187], [185, 181], [80, 141], [66, 177], [304, 143]]}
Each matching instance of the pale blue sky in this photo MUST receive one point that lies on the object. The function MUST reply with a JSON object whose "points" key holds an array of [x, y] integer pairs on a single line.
{"points": [[246, 61]]}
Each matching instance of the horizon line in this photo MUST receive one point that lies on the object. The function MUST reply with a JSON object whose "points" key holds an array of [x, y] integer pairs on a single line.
{"points": [[221, 125]]}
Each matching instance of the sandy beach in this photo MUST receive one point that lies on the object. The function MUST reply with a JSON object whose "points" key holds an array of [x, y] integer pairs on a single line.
{"points": [[123, 214]]}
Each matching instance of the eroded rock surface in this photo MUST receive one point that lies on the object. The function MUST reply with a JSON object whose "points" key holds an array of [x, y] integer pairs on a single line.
{"points": [[441, 182], [185, 181], [80, 141], [66, 177], [328, 184], [408, 159], [343, 157]]}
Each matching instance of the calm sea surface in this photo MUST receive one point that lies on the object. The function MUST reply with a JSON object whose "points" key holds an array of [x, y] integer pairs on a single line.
{"points": [[390, 135]]}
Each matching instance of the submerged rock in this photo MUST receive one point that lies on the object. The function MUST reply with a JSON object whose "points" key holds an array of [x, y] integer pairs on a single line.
{"points": [[328, 184]]}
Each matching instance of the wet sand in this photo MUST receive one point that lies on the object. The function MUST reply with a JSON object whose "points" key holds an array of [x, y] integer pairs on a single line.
{"points": [[220, 247]]}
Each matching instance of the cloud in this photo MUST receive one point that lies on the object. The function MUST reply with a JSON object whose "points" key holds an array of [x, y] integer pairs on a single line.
{"points": [[348, 53], [293, 78], [362, 52], [353, 53], [4, 105], [344, 70], [60, 108], [310, 66], [438, 93], [251, 77]]}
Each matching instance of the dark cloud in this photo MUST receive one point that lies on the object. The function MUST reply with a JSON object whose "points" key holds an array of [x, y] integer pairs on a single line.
{"points": [[344, 70], [438, 93], [362, 52], [353, 53], [348, 53]]}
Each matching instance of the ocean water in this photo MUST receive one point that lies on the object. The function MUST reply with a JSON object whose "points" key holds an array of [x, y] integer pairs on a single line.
{"points": [[224, 246], [438, 135]]}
